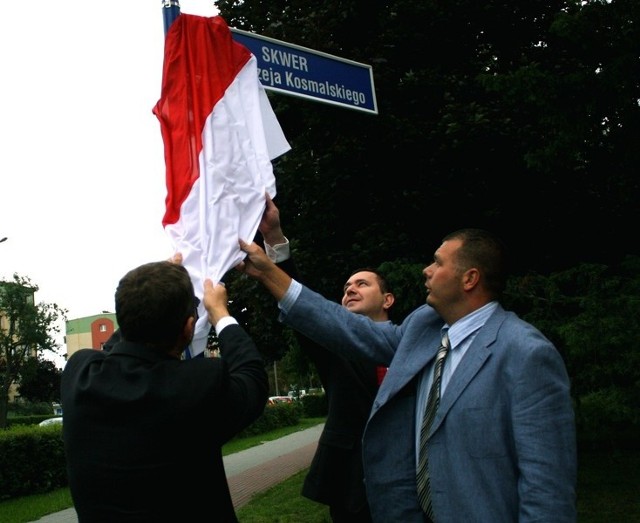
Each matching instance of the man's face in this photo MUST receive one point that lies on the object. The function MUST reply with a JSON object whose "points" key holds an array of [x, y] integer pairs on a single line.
{"points": [[362, 295], [443, 281]]}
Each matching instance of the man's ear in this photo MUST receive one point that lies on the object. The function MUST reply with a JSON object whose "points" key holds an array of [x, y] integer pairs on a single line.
{"points": [[189, 328], [389, 300], [470, 279]]}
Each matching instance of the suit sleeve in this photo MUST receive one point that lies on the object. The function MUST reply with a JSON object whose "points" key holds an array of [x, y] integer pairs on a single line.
{"points": [[544, 431], [354, 336], [248, 384]]}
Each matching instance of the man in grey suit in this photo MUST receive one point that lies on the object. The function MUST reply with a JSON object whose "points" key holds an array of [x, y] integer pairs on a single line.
{"points": [[502, 446]]}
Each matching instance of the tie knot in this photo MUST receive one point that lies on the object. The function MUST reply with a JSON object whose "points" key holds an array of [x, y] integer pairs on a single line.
{"points": [[445, 339]]}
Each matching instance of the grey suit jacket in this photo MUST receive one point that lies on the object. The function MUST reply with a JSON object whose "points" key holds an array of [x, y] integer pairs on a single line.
{"points": [[502, 447]]}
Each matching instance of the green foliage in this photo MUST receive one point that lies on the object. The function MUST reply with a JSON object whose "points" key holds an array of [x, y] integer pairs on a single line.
{"points": [[274, 416], [33, 507], [40, 381], [607, 490], [591, 313], [24, 407], [32, 419], [295, 365], [31, 460], [608, 486], [543, 91], [314, 405], [546, 92], [407, 283], [284, 504], [26, 330]]}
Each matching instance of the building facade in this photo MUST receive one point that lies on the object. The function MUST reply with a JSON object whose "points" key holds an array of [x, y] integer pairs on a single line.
{"points": [[89, 332]]}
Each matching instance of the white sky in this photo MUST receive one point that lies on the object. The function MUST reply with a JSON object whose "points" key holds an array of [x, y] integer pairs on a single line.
{"points": [[82, 174]]}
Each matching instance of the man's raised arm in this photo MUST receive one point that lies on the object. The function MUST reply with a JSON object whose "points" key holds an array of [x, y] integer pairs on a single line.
{"points": [[258, 266]]}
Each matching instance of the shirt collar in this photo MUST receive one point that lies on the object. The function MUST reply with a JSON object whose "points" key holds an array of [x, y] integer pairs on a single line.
{"points": [[466, 326]]}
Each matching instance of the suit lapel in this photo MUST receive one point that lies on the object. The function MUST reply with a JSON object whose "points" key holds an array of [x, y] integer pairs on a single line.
{"points": [[475, 357], [409, 360]]}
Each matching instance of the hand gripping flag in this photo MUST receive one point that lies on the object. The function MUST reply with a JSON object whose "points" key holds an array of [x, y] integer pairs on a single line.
{"points": [[220, 135]]}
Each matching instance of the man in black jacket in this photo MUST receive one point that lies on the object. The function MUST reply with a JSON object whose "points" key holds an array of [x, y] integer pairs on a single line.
{"points": [[336, 474], [143, 428]]}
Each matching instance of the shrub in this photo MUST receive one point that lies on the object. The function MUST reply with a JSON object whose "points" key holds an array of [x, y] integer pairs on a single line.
{"points": [[31, 460], [315, 405], [274, 416]]}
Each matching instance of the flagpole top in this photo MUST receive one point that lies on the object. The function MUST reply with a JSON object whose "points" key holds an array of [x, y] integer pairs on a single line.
{"points": [[170, 11]]}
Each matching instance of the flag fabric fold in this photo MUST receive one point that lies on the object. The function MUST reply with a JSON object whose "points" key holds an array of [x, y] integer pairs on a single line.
{"points": [[220, 135]]}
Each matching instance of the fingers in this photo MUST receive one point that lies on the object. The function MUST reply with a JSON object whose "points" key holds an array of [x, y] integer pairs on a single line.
{"points": [[245, 247], [176, 258], [208, 284]]}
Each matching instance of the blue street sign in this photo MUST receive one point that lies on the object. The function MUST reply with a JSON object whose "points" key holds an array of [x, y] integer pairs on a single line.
{"points": [[298, 71]]}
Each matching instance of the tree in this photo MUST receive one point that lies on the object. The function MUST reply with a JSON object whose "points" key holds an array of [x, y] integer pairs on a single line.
{"points": [[590, 312], [26, 330], [521, 117], [40, 381]]}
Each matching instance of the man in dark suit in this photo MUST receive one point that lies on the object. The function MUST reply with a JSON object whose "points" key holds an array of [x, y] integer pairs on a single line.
{"points": [[502, 445], [143, 428], [336, 475]]}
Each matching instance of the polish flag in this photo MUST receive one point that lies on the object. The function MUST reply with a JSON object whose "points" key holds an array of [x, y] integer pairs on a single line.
{"points": [[220, 135]]}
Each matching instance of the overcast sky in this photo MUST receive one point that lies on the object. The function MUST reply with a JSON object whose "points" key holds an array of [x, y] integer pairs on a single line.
{"points": [[82, 182]]}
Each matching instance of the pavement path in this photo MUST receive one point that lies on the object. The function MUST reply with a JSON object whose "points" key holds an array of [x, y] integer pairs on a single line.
{"points": [[249, 471]]}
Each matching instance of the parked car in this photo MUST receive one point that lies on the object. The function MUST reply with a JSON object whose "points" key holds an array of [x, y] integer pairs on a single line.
{"points": [[297, 394], [275, 400], [51, 421]]}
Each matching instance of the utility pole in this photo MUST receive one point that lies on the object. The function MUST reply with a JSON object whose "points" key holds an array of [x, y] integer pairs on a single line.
{"points": [[275, 377]]}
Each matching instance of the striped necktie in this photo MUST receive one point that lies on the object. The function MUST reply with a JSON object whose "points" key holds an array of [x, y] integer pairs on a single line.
{"points": [[433, 400]]}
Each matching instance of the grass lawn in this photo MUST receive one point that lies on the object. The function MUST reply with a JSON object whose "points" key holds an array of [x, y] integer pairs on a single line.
{"points": [[609, 487], [608, 491]]}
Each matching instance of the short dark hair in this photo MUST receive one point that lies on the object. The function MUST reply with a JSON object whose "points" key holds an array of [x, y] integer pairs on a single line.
{"points": [[486, 252], [384, 284], [153, 302]]}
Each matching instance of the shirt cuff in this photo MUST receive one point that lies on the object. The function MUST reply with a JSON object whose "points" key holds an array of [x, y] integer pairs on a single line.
{"points": [[279, 252], [225, 322], [290, 296]]}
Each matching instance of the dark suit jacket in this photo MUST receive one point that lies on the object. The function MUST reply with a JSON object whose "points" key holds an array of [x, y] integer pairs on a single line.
{"points": [[143, 431], [336, 475]]}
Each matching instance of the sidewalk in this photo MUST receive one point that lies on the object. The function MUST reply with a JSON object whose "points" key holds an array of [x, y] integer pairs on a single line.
{"points": [[250, 471]]}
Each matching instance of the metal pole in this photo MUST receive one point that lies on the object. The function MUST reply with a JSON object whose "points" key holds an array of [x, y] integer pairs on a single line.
{"points": [[275, 378], [170, 11]]}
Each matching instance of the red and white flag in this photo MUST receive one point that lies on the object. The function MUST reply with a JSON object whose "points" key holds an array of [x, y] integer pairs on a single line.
{"points": [[220, 135]]}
